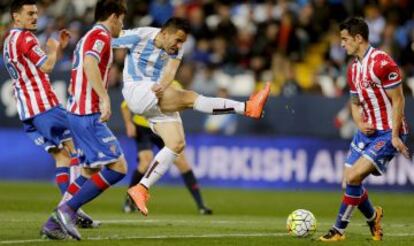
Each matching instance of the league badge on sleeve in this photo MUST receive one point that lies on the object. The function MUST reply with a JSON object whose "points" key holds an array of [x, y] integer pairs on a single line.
{"points": [[98, 46]]}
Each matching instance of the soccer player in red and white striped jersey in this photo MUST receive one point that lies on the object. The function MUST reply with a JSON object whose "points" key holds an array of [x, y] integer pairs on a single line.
{"points": [[89, 108], [378, 111], [38, 107], [97, 44]]}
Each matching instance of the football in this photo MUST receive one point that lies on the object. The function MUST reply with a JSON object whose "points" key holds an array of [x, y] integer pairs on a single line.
{"points": [[301, 223]]}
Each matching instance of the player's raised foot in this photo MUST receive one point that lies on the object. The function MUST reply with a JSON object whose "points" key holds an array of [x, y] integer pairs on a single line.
{"points": [[140, 196], [205, 211], [51, 230], [332, 236], [66, 217], [375, 226], [83, 220], [256, 103], [129, 205]]}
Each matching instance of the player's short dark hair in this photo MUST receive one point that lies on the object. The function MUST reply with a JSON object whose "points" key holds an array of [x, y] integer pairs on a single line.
{"points": [[355, 25], [177, 24], [17, 5], [105, 8]]}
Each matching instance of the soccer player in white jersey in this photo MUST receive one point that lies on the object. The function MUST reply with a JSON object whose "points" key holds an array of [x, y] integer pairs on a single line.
{"points": [[44, 119], [378, 111], [89, 108], [154, 55]]}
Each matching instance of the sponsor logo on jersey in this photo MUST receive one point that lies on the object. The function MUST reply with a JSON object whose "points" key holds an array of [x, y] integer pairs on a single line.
{"points": [[393, 76], [108, 139]]}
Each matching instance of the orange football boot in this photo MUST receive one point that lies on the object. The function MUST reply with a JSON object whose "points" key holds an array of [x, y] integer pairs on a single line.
{"points": [[376, 227], [139, 194], [256, 102]]}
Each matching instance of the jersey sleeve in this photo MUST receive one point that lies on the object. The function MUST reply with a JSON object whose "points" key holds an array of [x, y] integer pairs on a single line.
{"points": [[128, 39], [31, 49], [97, 45], [387, 71], [351, 84]]}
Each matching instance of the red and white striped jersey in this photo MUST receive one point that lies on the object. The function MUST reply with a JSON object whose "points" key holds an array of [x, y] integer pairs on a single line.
{"points": [[369, 79], [23, 58], [97, 43]]}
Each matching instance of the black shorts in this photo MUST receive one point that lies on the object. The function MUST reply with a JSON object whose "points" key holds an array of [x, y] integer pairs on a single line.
{"points": [[146, 139]]}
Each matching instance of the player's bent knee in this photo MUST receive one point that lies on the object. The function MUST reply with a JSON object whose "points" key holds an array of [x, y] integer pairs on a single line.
{"points": [[61, 157], [176, 146]]}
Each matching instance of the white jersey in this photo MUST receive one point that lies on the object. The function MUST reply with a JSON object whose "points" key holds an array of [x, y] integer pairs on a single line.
{"points": [[144, 61]]}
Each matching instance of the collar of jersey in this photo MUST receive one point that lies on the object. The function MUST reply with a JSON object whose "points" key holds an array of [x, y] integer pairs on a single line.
{"points": [[104, 27], [366, 54]]}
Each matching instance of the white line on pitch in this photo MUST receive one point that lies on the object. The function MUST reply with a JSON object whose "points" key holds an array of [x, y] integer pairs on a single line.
{"points": [[190, 236]]}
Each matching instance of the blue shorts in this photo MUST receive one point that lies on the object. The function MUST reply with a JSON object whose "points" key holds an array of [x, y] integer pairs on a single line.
{"points": [[49, 129], [94, 141], [377, 148]]}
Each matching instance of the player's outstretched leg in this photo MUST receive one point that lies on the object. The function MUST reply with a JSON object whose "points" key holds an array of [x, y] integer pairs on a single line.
{"points": [[252, 108]]}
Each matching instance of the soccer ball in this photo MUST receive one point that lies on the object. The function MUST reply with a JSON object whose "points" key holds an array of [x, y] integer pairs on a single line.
{"points": [[301, 223]]}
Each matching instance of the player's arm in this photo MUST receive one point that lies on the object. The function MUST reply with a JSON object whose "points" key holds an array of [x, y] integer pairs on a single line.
{"points": [[127, 40], [127, 117], [167, 77], [360, 122], [93, 75], [53, 47], [398, 104]]}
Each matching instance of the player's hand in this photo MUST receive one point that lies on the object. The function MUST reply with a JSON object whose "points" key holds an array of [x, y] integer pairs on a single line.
{"points": [[64, 37], [366, 128], [131, 130], [52, 44], [105, 109], [158, 90], [400, 147]]}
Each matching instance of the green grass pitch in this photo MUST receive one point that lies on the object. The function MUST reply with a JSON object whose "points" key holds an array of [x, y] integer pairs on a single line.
{"points": [[241, 217]]}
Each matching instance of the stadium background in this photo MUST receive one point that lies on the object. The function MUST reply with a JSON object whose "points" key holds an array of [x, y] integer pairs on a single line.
{"points": [[235, 46]]}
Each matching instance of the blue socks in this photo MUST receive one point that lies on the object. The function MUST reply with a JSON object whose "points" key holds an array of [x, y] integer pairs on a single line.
{"points": [[350, 201], [94, 186], [62, 178]]}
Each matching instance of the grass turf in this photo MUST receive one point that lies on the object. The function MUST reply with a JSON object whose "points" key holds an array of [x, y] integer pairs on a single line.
{"points": [[241, 217]]}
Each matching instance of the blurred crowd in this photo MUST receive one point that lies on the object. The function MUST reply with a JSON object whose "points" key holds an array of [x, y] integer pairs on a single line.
{"points": [[237, 45]]}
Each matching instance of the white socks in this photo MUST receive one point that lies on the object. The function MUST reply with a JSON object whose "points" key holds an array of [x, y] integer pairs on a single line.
{"points": [[217, 105], [162, 161]]}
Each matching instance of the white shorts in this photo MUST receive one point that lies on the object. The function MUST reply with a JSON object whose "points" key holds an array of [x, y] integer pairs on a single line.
{"points": [[142, 100]]}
